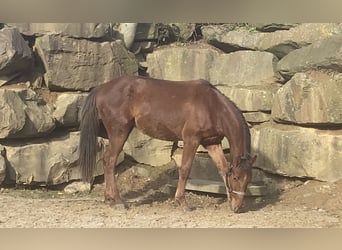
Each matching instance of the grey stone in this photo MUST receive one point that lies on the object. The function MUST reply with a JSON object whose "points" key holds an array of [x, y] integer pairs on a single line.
{"points": [[68, 108], [201, 149], [15, 55], [203, 166], [23, 114], [126, 32], [310, 98], [74, 64], [251, 98], [181, 63], [2, 165], [324, 54], [280, 42], [205, 62], [76, 30], [77, 187], [298, 151], [183, 31], [51, 161], [140, 171], [271, 27], [257, 117], [147, 150], [244, 68], [228, 40]]}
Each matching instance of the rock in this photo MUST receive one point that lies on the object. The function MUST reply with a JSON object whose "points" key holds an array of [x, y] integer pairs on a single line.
{"points": [[203, 166], [201, 149], [164, 33], [168, 189], [51, 161], [15, 55], [126, 32], [2, 165], [279, 42], [145, 31], [181, 63], [76, 30], [271, 27], [283, 42], [244, 68], [77, 187], [310, 98], [84, 64], [23, 114], [205, 62], [68, 108], [141, 171], [298, 151], [255, 98], [257, 117], [228, 40], [147, 150], [324, 54], [183, 31]]}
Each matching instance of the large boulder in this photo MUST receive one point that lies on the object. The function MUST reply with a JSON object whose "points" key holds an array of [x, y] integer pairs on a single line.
{"points": [[257, 117], [147, 150], [126, 32], [203, 167], [76, 30], [68, 108], [310, 98], [51, 161], [244, 68], [298, 151], [255, 98], [230, 40], [280, 42], [2, 165], [182, 63], [74, 64], [23, 114], [324, 54], [203, 61], [15, 55]]}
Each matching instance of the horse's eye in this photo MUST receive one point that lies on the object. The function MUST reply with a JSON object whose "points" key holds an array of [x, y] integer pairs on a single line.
{"points": [[235, 178]]}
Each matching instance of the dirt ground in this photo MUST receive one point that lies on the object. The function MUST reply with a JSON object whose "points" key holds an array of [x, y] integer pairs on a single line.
{"points": [[298, 204]]}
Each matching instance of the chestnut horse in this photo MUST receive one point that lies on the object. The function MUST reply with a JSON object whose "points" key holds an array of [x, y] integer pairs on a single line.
{"points": [[194, 112]]}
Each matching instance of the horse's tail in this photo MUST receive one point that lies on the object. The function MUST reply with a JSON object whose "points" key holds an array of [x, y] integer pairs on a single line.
{"points": [[88, 138]]}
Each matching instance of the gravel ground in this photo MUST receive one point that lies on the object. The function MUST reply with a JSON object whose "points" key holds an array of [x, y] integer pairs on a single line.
{"points": [[309, 205]]}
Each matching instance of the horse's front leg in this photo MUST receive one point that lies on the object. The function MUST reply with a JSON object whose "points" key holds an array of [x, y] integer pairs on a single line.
{"points": [[217, 155], [189, 151]]}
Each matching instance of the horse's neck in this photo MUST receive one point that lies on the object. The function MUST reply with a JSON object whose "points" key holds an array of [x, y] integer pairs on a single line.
{"points": [[237, 137]]}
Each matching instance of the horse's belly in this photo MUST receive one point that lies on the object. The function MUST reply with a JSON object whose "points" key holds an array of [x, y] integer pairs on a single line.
{"points": [[157, 129]]}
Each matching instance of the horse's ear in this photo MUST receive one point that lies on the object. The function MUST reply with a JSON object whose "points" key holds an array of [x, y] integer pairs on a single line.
{"points": [[252, 160]]}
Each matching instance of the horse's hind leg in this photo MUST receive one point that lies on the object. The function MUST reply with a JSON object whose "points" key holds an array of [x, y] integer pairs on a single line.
{"points": [[188, 155], [117, 139]]}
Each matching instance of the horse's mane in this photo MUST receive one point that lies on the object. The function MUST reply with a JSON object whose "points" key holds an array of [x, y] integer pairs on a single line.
{"points": [[246, 132]]}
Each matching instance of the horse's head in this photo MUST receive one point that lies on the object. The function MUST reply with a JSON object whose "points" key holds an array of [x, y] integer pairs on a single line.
{"points": [[238, 178]]}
